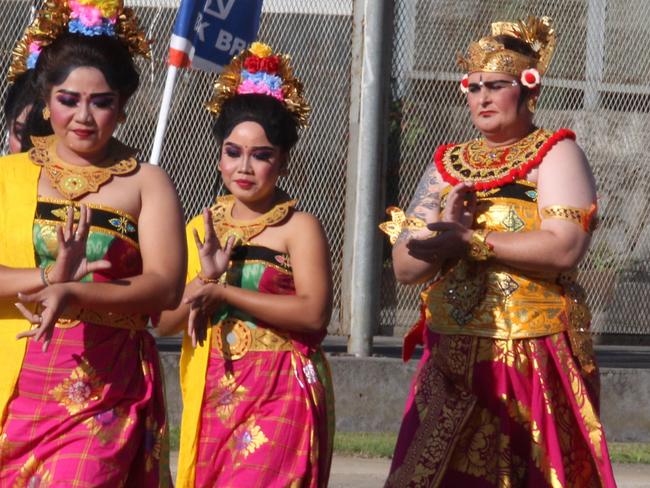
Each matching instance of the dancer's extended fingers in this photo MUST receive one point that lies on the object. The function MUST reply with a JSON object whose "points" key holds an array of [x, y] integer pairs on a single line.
{"points": [[197, 239], [60, 238], [69, 223], [210, 233], [32, 317], [229, 245], [82, 229], [30, 297], [102, 264]]}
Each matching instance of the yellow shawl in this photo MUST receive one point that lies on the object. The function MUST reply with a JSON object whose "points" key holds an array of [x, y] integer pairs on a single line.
{"points": [[194, 365], [18, 193]]}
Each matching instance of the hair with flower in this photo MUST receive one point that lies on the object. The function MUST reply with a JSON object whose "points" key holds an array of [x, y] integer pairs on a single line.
{"points": [[260, 71], [84, 17]]}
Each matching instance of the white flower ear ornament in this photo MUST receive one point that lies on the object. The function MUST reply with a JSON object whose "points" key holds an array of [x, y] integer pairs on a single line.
{"points": [[464, 83], [530, 78]]}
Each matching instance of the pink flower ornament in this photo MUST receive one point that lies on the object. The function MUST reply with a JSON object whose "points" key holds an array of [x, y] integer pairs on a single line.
{"points": [[530, 78], [464, 83], [250, 86]]}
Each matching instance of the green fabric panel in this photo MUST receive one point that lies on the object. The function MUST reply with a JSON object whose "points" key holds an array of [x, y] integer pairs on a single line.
{"points": [[97, 246], [248, 277]]}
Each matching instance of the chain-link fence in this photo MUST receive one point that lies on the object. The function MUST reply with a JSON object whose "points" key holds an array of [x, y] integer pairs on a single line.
{"points": [[317, 35], [597, 85]]}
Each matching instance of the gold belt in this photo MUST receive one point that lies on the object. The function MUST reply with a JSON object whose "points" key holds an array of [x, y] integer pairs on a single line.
{"points": [[72, 317], [233, 339]]}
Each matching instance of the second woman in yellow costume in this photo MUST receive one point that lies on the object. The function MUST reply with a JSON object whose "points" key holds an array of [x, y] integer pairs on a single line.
{"points": [[257, 402]]}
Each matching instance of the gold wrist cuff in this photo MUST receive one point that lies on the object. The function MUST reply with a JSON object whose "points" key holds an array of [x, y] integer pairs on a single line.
{"points": [[45, 274], [205, 280], [479, 249]]}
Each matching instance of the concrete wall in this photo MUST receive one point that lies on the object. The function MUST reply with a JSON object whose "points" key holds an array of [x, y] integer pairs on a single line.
{"points": [[370, 396]]}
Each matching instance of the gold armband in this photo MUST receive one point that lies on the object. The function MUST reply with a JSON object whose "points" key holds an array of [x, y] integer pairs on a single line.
{"points": [[587, 219], [399, 222], [479, 249]]}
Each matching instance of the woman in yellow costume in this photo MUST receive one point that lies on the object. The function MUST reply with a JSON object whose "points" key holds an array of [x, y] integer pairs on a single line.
{"points": [[81, 221], [257, 400], [506, 393]]}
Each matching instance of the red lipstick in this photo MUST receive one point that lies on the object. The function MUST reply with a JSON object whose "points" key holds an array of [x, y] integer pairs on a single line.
{"points": [[244, 184]]}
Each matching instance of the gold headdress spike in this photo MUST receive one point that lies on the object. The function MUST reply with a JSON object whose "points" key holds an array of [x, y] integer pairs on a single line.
{"points": [[86, 17], [258, 70], [489, 54]]}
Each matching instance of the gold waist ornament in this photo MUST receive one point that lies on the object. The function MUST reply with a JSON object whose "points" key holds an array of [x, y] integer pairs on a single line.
{"points": [[72, 317], [489, 301], [233, 338]]}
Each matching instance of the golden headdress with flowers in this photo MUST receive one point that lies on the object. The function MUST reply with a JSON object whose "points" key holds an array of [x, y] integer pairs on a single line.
{"points": [[86, 17], [491, 55], [258, 70]]}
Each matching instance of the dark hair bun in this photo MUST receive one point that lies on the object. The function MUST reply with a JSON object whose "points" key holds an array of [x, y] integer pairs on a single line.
{"points": [[279, 124]]}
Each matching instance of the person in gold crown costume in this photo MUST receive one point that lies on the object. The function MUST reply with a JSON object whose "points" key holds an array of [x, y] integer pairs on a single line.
{"points": [[257, 395], [81, 397], [506, 393]]}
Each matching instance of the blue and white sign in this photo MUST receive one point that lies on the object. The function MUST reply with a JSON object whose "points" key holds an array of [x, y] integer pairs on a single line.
{"points": [[208, 33]]}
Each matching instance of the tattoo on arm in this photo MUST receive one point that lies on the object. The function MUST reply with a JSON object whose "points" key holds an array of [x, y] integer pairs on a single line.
{"points": [[426, 198]]}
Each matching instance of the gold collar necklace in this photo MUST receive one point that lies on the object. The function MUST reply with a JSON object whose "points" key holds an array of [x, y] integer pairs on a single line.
{"points": [[77, 181], [243, 231]]}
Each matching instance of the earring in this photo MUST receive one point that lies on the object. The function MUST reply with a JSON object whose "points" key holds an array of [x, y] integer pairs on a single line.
{"points": [[46, 113], [532, 105]]}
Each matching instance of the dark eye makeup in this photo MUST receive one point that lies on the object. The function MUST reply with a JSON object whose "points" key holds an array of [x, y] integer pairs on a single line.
{"points": [[99, 100]]}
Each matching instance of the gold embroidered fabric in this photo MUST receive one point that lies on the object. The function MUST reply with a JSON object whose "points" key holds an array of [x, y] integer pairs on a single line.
{"points": [[73, 316], [490, 299], [476, 162], [77, 181], [234, 338], [244, 230], [586, 218]]}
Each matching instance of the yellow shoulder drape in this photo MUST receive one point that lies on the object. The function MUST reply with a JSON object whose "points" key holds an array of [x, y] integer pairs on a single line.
{"points": [[18, 193], [194, 365]]}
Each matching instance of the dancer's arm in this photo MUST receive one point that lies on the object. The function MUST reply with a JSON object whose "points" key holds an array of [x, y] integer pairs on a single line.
{"points": [[564, 179]]}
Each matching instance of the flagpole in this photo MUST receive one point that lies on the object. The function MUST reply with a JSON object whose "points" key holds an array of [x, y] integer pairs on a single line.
{"points": [[163, 116]]}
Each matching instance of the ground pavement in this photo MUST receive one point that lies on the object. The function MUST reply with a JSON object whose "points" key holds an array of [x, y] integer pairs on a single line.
{"points": [[351, 472]]}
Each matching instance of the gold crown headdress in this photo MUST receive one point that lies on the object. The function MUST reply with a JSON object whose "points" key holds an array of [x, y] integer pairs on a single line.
{"points": [[489, 54], [258, 70], [87, 17]]}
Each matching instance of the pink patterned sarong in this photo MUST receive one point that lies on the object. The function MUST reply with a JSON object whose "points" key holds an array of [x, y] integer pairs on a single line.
{"points": [[87, 413], [264, 423], [486, 412], [258, 409]]}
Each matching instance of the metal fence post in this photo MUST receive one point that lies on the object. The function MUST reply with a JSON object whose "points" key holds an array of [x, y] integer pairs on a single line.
{"points": [[362, 245], [595, 52]]}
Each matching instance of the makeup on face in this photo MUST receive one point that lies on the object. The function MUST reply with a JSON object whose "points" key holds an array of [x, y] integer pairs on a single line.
{"points": [[491, 86], [100, 100], [84, 113]]}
